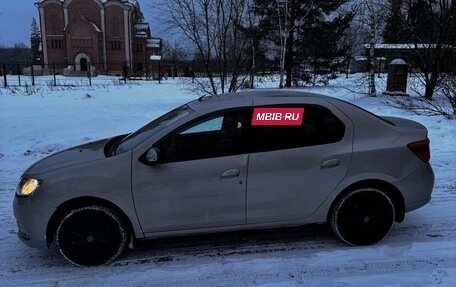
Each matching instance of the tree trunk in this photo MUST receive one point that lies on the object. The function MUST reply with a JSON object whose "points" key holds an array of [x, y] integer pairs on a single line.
{"points": [[282, 61], [438, 55], [372, 24], [289, 58], [430, 86], [233, 83], [289, 53], [282, 32], [253, 68], [347, 65]]}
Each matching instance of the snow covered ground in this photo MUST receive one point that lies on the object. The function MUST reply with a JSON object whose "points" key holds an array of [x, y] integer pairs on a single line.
{"points": [[419, 252]]}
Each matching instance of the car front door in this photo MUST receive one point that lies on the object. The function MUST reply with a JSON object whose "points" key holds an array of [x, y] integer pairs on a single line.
{"points": [[293, 169], [199, 180]]}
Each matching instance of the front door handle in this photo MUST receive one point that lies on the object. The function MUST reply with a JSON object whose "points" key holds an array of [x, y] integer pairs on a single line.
{"points": [[332, 163], [231, 173]]}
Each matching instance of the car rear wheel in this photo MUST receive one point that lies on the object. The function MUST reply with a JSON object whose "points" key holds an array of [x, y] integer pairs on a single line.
{"points": [[91, 235], [363, 216]]}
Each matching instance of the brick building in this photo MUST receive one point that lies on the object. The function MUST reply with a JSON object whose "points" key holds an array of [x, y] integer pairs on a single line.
{"points": [[108, 36]]}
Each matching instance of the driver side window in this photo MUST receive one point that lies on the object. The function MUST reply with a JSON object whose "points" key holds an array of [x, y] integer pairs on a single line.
{"points": [[207, 126], [216, 135]]}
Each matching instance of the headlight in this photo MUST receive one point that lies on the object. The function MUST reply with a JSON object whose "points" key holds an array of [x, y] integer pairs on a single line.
{"points": [[27, 186]]}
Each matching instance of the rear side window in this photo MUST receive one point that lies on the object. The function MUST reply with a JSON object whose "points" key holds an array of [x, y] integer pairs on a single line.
{"points": [[319, 126]]}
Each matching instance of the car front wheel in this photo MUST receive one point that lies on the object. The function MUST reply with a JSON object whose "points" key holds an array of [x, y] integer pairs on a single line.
{"points": [[363, 216], [91, 235]]}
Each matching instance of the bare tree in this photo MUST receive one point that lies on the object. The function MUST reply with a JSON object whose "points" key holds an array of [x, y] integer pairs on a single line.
{"points": [[432, 57], [174, 52], [443, 104], [213, 27], [367, 12], [449, 93], [255, 39], [430, 28], [285, 28], [353, 40]]}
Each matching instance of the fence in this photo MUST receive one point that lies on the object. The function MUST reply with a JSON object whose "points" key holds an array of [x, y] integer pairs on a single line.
{"points": [[86, 74], [57, 75]]}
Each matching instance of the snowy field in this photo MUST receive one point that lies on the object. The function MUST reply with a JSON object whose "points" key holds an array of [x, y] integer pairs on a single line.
{"points": [[419, 252]]}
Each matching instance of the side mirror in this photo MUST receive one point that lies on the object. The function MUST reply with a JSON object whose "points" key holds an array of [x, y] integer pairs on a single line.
{"points": [[151, 157]]}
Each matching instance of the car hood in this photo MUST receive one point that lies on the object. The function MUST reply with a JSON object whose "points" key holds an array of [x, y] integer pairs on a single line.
{"points": [[72, 156]]}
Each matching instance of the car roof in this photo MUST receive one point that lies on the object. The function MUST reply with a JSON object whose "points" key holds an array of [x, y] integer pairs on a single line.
{"points": [[247, 98]]}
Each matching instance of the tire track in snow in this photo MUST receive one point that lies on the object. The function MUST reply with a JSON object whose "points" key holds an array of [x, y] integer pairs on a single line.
{"points": [[319, 239], [227, 274]]}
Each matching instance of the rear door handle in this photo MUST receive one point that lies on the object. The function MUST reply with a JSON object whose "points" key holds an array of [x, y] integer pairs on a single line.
{"points": [[231, 173], [332, 163]]}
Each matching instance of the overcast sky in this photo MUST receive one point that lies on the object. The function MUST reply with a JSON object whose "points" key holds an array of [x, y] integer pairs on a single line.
{"points": [[16, 18]]}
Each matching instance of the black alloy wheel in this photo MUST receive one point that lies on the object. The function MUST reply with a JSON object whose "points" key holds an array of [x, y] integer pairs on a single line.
{"points": [[91, 235], [363, 216]]}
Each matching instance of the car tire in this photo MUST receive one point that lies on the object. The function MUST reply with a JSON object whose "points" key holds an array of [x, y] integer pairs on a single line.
{"points": [[91, 235], [363, 216]]}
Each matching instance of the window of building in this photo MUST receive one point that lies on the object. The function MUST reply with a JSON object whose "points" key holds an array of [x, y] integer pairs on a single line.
{"points": [[54, 24], [115, 27], [56, 44], [116, 45]]}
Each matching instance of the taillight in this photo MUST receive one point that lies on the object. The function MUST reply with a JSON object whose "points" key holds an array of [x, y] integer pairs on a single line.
{"points": [[421, 149]]}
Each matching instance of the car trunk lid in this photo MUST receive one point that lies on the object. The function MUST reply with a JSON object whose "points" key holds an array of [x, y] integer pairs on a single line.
{"points": [[420, 144]]}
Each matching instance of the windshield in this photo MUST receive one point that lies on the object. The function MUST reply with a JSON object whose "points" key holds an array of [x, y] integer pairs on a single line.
{"points": [[151, 128]]}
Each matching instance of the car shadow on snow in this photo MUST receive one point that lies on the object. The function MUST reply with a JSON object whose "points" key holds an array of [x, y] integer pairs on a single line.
{"points": [[236, 243]]}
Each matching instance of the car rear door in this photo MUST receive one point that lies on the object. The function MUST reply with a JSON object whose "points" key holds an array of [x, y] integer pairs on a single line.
{"points": [[200, 179], [293, 169]]}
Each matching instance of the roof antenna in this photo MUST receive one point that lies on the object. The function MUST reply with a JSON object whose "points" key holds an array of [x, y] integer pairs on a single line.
{"points": [[200, 99]]}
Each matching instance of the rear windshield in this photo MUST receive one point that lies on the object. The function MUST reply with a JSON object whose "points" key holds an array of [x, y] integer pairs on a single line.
{"points": [[368, 112]]}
